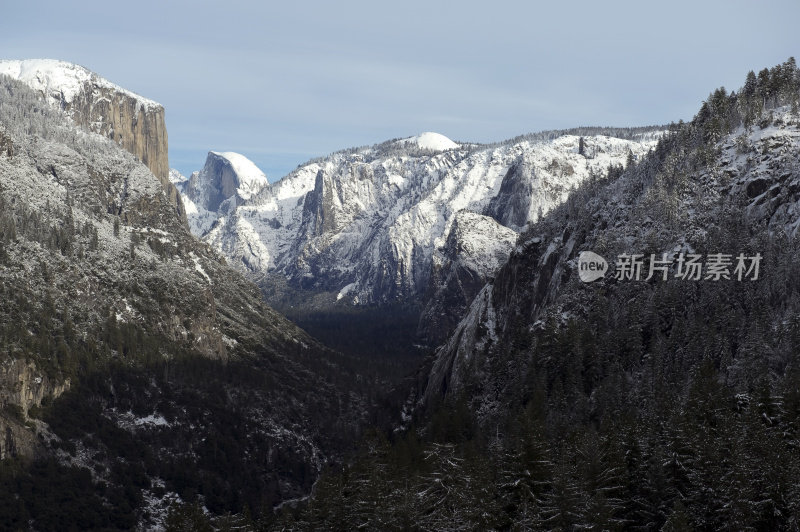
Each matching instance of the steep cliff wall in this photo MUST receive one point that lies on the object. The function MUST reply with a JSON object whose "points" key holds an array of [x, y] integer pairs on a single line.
{"points": [[474, 250], [22, 386], [18, 440], [135, 123]]}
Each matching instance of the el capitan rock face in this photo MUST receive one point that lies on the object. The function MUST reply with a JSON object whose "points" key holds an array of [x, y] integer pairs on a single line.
{"points": [[103, 285], [138, 127], [133, 122]]}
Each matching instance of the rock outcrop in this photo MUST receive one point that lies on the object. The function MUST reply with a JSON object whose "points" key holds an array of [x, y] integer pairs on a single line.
{"points": [[224, 175], [23, 386], [135, 123], [475, 249], [18, 440]]}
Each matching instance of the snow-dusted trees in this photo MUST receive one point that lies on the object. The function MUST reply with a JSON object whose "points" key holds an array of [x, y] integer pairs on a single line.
{"points": [[661, 406]]}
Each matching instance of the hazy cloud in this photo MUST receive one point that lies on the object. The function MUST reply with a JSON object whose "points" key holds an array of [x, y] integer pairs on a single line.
{"points": [[284, 82]]}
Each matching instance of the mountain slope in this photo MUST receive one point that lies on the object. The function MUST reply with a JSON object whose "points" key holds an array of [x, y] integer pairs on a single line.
{"points": [[366, 226], [134, 122], [134, 360], [719, 181], [668, 373], [663, 404]]}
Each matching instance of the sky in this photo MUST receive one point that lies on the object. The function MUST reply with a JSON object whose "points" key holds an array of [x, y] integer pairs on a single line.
{"points": [[282, 82]]}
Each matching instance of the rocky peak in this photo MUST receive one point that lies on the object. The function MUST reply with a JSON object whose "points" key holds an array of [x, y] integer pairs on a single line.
{"points": [[478, 242], [225, 175], [133, 122]]}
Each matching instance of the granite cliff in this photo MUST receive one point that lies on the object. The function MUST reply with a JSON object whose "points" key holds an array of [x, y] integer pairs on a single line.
{"points": [[133, 122]]}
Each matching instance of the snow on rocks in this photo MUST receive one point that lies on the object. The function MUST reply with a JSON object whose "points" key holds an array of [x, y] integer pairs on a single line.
{"points": [[60, 81], [431, 141], [371, 219]]}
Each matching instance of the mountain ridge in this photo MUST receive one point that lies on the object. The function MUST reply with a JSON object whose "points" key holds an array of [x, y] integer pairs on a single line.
{"points": [[134, 122], [130, 349], [362, 227]]}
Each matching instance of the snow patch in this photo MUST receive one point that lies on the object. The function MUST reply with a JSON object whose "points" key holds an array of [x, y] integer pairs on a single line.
{"points": [[431, 141], [60, 81], [230, 342], [199, 268], [130, 421], [152, 419], [344, 291]]}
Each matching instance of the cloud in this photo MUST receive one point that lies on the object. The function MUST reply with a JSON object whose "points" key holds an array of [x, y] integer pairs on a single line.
{"points": [[289, 80]]}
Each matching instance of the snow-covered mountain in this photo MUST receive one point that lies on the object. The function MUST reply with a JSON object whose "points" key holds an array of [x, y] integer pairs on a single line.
{"points": [[134, 122], [62, 83], [366, 225], [731, 193], [227, 180], [104, 285]]}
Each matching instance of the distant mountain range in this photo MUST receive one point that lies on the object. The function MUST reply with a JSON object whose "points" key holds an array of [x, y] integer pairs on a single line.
{"points": [[374, 226]]}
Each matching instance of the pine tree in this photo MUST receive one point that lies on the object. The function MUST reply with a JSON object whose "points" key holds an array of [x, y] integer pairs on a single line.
{"points": [[747, 100]]}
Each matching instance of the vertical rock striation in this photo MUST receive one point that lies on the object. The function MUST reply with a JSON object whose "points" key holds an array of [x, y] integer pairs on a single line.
{"points": [[135, 123]]}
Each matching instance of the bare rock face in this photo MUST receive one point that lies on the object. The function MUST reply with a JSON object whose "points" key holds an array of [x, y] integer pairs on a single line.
{"points": [[94, 103], [23, 386], [138, 127], [17, 440], [511, 206], [476, 247]]}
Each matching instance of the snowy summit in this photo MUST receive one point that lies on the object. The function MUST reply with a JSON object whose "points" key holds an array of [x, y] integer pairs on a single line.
{"points": [[60, 81], [431, 141], [249, 177], [226, 180]]}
